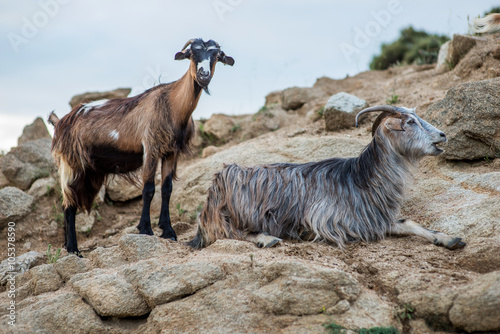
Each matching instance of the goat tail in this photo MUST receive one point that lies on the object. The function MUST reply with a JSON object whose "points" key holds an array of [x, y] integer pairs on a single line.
{"points": [[53, 119], [488, 24]]}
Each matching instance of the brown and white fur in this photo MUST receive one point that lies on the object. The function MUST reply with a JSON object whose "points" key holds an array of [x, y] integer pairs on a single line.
{"points": [[119, 136], [488, 24], [335, 200]]}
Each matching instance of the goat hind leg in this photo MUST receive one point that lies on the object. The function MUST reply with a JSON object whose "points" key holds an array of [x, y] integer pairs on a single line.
{"points": [[409, 227], [148, 192], [263, 240]]}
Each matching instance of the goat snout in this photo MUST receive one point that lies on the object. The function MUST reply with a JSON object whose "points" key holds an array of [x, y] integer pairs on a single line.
{"points": [[203, 76]]}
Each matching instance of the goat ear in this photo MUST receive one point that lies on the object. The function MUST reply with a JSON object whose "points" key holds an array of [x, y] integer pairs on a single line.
{"points": [[185, 54], [395, 124], [225, 59]]}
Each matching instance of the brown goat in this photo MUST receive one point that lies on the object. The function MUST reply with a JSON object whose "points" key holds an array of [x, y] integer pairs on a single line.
{"points": [[119, 136]]}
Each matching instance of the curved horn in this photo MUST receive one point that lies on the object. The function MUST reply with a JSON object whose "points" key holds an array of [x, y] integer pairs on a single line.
{"points": [[188, 42], [387, 108]]}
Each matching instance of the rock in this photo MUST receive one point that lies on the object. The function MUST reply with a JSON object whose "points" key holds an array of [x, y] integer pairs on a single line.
{"points": [[20, 264], [219, 126], [210, 150], [339, 308], [38, 280], [455, 204], [477, 307], [431, 305], [3, 180], [481, 255], [101, 195], [14, 205], [111, 296], [273, 99], [470, 118], [368, 311], [341, 110], [71, 265], [28, 162], [107, 257], [459, 46], [95, 96], [42, 187], [58, 314], [85, 221], [166, 284], [121, 190], [34, 131], [442, 64], [244, 301], [295, 97], [137, 247], [300, 290]]}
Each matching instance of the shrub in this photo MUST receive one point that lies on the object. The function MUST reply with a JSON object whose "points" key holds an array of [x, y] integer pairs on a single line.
{"points": [[412, 46]]}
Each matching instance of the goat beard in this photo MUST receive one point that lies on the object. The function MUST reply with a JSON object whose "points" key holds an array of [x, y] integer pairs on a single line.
{"points": [[206, 90]]}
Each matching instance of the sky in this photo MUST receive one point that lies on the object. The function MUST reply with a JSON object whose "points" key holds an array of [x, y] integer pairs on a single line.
{"points": [[51, 50]]}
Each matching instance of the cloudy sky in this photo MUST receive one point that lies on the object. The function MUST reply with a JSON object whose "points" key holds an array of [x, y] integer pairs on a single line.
{"points": [[51, 50]]}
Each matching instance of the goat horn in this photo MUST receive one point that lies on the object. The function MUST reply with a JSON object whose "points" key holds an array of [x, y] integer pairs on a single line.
{"points": [[387, 108], [188, 42]]}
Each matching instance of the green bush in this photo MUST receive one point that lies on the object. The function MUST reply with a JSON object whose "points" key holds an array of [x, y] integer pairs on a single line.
{"points": [[412, 46]]}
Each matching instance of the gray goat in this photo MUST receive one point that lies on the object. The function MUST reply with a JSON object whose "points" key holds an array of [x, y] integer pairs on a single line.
{"points": [[335, 200]]}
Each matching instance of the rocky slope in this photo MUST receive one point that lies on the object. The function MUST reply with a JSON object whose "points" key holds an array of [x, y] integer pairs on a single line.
{"points": [[129, 283]]}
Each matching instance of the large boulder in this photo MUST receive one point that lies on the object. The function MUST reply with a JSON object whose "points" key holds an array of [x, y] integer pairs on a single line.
{"points": [[219, 127], [470, 117], [38, 280], [42, 187], [19, 265], [459, 46], [34, 131], [95, 96], [341, 110], [120, 189], [477, 307], [28, 162], [164, 284], [295, 97], [111, 295], [62, 313], [14, 205]]}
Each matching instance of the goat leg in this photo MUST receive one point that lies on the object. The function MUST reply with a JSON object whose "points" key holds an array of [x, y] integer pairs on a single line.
{"points": [[69, 231], [148, 192], [409, 227], [165, 223]]}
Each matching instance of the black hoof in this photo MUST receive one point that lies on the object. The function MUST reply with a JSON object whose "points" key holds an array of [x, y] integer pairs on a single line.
{"points": [[147, 231], [272, 243], [169, 234], [75, 252], [456, 243]]}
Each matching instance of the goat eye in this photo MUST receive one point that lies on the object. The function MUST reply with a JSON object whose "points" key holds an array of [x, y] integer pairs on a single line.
{"points": [[410, 121]]}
